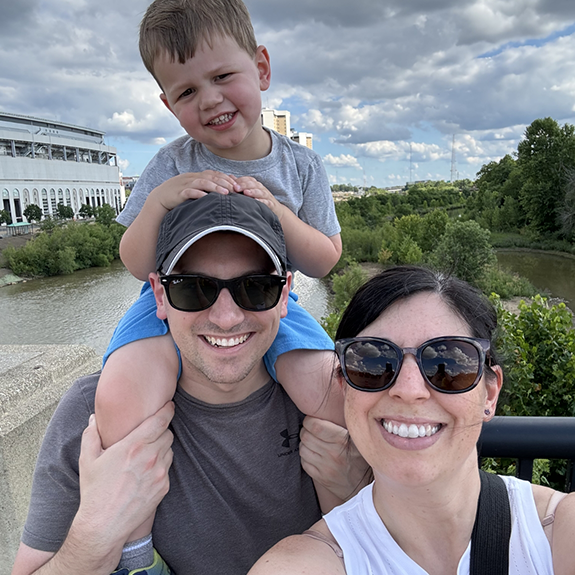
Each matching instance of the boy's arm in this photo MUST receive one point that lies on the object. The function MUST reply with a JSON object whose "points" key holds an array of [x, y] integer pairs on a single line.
{"points": [[138, 244], [309, 250]]}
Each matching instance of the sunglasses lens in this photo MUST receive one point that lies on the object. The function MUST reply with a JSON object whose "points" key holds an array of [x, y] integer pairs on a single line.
{"points": [[193, 293], [258, 293], [371, 365], [451, 365]]}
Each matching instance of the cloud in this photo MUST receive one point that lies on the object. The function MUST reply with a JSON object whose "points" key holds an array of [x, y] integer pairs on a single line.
{"points": [[123, 164], [365, 77], [344, 160]]}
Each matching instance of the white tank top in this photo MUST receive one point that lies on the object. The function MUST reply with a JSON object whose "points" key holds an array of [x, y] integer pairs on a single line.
{"points": [[369, 549]]}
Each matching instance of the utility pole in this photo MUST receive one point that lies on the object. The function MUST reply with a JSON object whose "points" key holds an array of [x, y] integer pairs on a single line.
{"points": [[410, 163], [453, 168]]}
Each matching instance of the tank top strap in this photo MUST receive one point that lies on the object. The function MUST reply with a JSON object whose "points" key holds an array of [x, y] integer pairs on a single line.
{"points": [[323, 538], [549, 518]]}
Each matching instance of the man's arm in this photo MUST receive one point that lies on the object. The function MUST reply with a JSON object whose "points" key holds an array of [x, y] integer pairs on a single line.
{"points": [[119, 488]]}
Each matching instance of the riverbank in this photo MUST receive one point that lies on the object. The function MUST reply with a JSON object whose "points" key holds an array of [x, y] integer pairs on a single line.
{"points": [[371, 269], [7, 277]]}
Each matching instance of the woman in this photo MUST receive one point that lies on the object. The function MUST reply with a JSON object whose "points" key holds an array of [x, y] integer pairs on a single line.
{"points": [[420, 377]]}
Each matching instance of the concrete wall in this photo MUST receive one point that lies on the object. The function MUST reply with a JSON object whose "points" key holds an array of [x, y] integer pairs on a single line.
{"points": [[32, 381]]}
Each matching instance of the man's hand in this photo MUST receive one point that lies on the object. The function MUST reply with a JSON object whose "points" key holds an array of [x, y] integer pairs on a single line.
{"points": [[191, 186], [254, 189], [331, 459], [121, 486]]}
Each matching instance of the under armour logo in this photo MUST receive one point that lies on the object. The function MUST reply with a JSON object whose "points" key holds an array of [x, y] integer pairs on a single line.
{"points": [[287, 437]]}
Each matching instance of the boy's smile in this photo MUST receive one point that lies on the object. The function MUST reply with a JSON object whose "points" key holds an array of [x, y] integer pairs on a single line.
{"points": [[216, 96]]}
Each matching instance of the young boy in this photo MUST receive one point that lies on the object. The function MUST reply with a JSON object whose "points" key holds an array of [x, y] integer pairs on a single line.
{"points": [[204, 56]]}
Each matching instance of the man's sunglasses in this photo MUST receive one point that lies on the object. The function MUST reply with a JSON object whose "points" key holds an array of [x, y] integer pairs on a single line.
{"points": [[447, 364], [258, 292]]}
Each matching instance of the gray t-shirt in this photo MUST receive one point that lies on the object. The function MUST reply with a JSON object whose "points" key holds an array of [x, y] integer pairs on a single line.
{"points": [[293, 173], [236, 482]]}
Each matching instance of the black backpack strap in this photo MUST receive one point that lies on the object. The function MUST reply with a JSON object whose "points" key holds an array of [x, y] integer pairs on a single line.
{"points": [[492, 529]]}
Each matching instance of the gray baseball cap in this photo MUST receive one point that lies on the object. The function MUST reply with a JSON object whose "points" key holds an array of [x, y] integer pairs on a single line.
{"points": [[233, 212]]}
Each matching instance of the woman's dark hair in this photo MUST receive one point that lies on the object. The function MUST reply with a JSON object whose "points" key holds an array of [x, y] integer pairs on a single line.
{"points": [[401, 282]]}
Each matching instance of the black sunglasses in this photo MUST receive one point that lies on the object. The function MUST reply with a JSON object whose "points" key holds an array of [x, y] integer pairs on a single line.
{"points": [[448, 364], [258, 292]]}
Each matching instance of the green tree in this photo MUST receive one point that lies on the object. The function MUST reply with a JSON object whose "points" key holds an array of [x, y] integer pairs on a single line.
{"points": [[33, 213], [538, 349], [410, 226], [433, 226], [5, 217], [64, 212], [567, 210], [49, 224], [105, 214], [544, 155], [465, 251], [86, 211]]}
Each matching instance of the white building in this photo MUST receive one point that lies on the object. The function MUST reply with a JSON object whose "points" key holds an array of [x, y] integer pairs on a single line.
{"points": [[47, 163], [280, 121], [303, 138]]}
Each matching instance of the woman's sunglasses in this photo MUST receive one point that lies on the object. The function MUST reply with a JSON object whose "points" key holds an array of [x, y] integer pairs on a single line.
{"points": [[258, 292], [448, 364]]}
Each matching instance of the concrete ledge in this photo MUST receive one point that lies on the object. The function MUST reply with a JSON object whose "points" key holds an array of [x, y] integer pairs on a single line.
{"points": [[33, 378]]}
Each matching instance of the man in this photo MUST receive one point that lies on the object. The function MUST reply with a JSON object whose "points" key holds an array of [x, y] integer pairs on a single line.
{"points": [[235, 431]]}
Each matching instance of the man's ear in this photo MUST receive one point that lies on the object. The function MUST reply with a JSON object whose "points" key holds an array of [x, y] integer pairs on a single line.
{"points": [[160, 295], [262, 60], [166, 103], [285, 295]]}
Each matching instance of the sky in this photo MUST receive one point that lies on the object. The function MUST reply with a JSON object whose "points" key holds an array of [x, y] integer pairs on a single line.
{"points": [[392, 90]]}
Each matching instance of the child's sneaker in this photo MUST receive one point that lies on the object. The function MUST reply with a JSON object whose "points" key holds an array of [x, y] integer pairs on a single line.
{"points": [[158, 567]]}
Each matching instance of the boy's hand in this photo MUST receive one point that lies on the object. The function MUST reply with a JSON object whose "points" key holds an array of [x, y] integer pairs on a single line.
{"points": [[191, 186], [254, 189]]}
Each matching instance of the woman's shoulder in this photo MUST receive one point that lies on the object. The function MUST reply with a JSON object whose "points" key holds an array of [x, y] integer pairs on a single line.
{"points": [[313, 552], [548, 500]]}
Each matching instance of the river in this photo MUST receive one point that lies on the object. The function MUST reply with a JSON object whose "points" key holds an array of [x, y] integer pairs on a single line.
{"points": [[84, 307], [548, 272]]}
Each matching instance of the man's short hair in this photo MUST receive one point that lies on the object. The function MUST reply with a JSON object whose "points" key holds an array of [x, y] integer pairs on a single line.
{"points": [[176, 27]]}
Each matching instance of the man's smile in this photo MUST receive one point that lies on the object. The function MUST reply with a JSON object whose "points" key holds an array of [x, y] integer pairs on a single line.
{"points": [[226, 341]]}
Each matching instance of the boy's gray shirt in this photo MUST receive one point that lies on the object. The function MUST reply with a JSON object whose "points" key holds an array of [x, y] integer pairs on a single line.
{"points": [[236, 482], [293, 173]]}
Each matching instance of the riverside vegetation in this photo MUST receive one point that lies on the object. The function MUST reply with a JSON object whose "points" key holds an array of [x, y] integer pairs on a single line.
{"points": [[525, 201], [64, 246]]}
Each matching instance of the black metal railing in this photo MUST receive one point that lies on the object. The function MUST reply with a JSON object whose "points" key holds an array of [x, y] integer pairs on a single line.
{"points": [[529, 438]]}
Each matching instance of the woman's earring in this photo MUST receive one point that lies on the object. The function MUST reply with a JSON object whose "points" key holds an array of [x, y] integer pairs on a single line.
{"points": [[487, 412]]}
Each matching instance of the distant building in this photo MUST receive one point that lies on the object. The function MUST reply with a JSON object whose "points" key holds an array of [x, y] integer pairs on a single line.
{"points": [[47, 163], [279, 120], [303, 138], [129, 182]]}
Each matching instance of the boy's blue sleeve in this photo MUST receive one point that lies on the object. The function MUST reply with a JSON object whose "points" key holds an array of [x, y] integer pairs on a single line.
{"points": [[139, 322], [298, 330]]}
